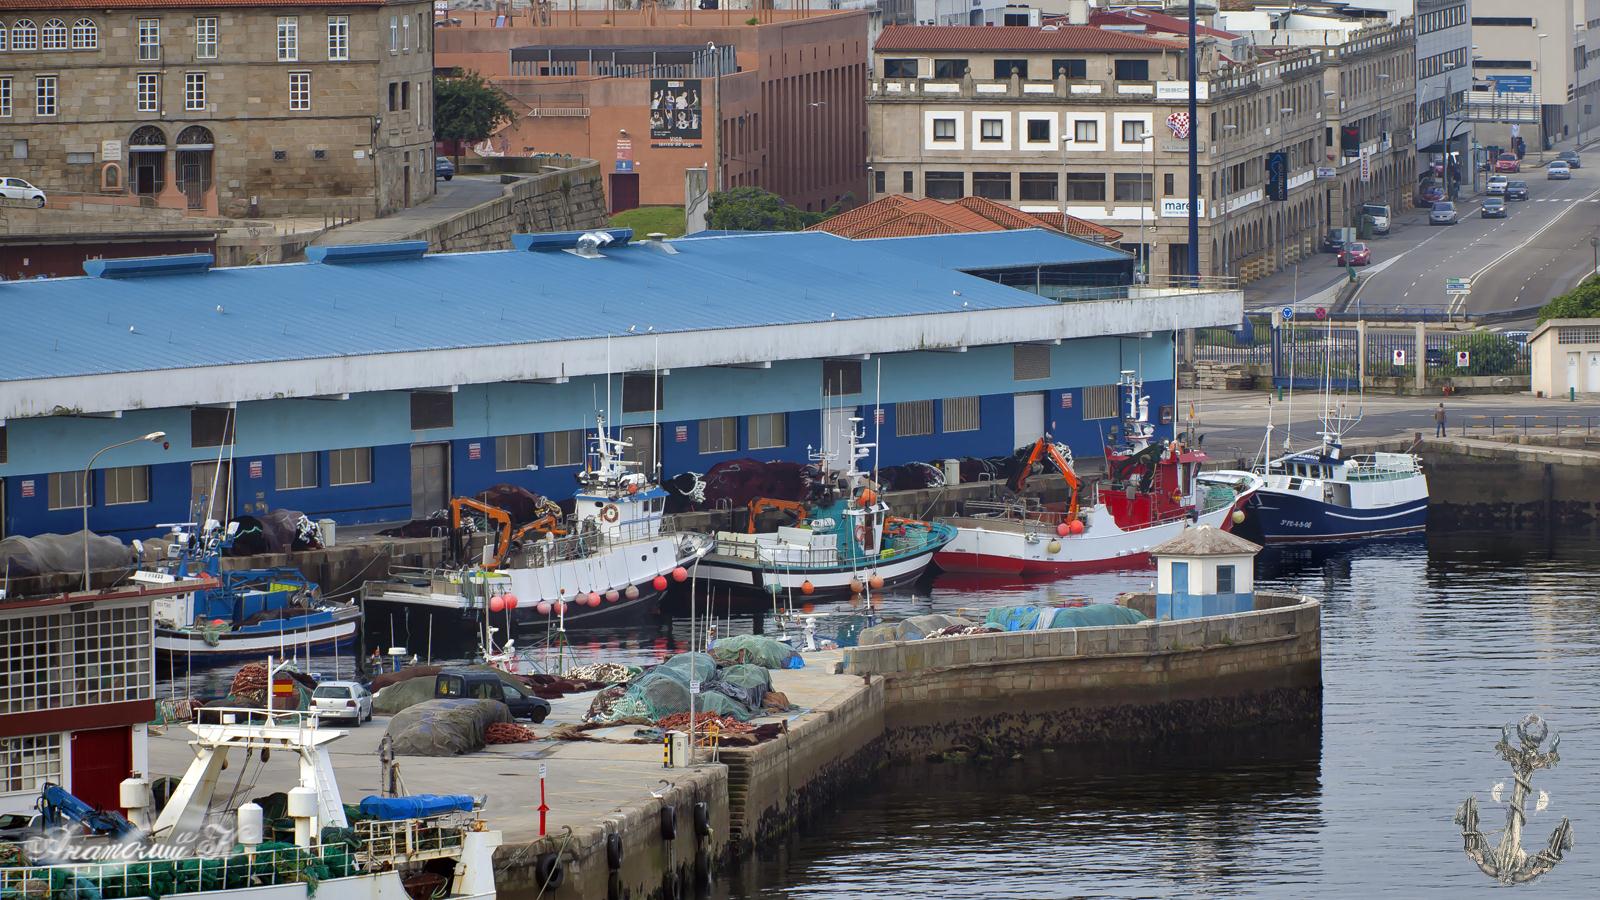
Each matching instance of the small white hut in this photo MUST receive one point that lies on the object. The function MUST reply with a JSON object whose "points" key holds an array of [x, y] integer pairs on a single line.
{"points": [[1204, 572]]}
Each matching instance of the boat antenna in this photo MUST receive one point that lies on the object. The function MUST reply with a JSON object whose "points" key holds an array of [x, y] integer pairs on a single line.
{"points": [[609, 423], [1289, 328]]}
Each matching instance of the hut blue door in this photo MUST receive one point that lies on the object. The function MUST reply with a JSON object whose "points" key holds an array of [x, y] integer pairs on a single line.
{"points": [[1180, 592]]}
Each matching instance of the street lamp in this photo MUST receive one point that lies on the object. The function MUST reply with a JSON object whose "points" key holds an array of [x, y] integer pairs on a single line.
{"points": [[1146, 137], [153, 437], [1065, 140]]}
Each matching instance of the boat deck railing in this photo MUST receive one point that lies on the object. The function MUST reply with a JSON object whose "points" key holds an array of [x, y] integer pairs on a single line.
{"points": [[398, 840], [791, 557], [166, 875], [1368, 468]]}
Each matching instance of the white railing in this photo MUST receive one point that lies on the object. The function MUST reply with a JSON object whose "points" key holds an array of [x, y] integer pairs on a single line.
{"points": [[165, 876]]}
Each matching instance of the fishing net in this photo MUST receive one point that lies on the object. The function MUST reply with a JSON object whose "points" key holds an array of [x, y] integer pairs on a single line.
{"points": [[1094, 615], [877, 634], [45, 554], [756, 649], [444, 727], [687, 667], [918, 627], [755, 681], [1013, 618]]}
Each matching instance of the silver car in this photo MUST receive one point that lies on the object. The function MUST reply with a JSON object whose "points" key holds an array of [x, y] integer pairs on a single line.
{"points": [[1558, 171], [345, 700], [1442, 213]]}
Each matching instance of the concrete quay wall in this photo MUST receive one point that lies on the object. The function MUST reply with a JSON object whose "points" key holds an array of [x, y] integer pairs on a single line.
{"points": [[1514, 481], [1004, 692]]}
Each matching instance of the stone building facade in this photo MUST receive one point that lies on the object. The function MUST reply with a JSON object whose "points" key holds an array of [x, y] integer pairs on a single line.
{"points": [[229, 107]]}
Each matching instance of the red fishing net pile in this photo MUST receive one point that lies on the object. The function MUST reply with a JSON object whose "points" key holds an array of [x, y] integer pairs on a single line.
{"points": [[680, 722], [507, 733]]}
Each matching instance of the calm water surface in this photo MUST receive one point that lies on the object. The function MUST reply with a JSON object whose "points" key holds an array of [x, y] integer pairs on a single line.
{"points": [[1428, 647]]}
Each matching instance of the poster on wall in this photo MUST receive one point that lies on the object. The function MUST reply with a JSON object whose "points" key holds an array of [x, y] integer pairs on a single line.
{"points": [[675, 112]]}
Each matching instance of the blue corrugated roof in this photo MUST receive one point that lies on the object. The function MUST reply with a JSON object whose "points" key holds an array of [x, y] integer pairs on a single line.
{"points": [[82, 326], [999, 249]]}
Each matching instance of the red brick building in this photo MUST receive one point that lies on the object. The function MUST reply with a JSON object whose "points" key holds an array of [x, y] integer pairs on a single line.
{"points": [[781, 103]]}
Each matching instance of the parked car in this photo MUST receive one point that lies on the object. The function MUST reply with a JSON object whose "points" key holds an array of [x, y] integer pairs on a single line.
{"points": [[1356, 254], [1493, 208], [343, 700], [1497, 184], [17, 189], [1508, 162], [1337, 238], [458, 683], [1443, 213], [1571, 158], [1430, 192], [1516, 190], [1557, 171], [443, 168], [18, 827], [1380, 216]]}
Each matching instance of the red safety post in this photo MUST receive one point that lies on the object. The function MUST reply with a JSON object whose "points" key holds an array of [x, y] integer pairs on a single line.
{"points": [[543, 807]]}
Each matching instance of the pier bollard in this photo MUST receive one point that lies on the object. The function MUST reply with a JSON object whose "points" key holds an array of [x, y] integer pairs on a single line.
{"points": [[666, 750]]}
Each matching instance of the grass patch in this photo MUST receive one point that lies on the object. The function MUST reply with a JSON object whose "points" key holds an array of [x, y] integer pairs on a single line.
{"points": [[668, 220]]}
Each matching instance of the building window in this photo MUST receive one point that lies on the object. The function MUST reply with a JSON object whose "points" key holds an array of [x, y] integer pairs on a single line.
{"points": [[149, 39], [637, 391], [205, 37], [1133, 132], [5, 97], [127, 484], [949, 68], [394, 34], [899, 68], [85, 35], [1131, 188], [44, 98], [338, 38], [1167, 184], [1038, 131], [27, 762], [841, 377], [210, 427], [149, 95], [1037, 186], [719, 435], [53, 36], [1086, 132], [299, 90], [405, 92], [405, 33], [1100, 401], [394, 96], [194, 91], [65, 660], [1132, 70], [513, 452], [913, 418], [990, 130], [1086, 186], [296, 471], [19, 149], [908, 181], [1030, 362], [432, 409], [769, 431], [1004, 68], [1225, 579], [66, 490], [288, 39], [943, 185], [351, 466], [960, 414], [563, 448], [880, 180], [944, 129], [992, 185], [24, 36], [1072, 69]]}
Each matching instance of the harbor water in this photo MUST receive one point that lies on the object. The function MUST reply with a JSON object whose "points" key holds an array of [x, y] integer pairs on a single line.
{"points": [[1429, 647]]}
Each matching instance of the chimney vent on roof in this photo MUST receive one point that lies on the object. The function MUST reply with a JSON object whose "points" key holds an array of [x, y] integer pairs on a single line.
{"points": [[590, 242]]}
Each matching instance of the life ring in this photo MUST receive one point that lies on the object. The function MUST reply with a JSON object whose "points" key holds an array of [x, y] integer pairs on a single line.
{"points": [[610, 513], [1177, 497], [861, 535]]}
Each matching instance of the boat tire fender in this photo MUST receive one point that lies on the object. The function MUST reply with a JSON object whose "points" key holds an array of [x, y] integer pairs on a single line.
{"points": [[669, 823], [549, 871], [613, 851], [702, 819]]}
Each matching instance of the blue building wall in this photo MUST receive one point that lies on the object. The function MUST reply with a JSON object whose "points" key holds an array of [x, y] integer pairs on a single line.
{"points": [[381, 421]]}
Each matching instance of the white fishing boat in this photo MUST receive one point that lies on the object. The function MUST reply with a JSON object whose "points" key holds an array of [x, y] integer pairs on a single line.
{"points": [[614, 559]]}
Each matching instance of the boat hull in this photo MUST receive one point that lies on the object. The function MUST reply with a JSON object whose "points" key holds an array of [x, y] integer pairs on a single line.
{"points": [[189, 644], [826, 581], [1009, 548], [1288, 518]]}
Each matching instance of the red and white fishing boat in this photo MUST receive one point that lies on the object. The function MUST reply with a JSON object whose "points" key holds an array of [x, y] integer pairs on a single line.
{"points": [[1153, 490]]}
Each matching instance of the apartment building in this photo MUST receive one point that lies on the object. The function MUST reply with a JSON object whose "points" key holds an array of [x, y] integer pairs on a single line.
{"points": [[1444, 76], [227, 107], [1092, 123], [1548, 51]]}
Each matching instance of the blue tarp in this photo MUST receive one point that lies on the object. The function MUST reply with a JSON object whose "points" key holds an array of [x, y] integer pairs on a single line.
{"points": [[1028, 618], [415, 806]]}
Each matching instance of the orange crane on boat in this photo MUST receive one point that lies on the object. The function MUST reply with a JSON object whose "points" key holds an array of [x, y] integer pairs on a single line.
{"points": [[1045, 448], [500, 521]]}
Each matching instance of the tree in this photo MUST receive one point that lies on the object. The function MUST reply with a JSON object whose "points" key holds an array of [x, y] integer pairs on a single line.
{"points": [[1582, 302], [467, 108], [753, 209], [1488, 353]]}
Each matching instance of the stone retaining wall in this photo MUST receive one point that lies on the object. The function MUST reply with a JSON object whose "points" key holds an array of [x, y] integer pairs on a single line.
{"points": [[1008, 691], [566, 200]]}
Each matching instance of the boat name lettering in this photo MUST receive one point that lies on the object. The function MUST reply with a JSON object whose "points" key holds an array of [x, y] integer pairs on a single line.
{"points": [[822, 523], [1290, 523]]}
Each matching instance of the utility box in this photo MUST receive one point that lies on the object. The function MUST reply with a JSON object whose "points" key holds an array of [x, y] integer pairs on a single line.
{"points": [[952, 471], [677, 749], [328, 527]]}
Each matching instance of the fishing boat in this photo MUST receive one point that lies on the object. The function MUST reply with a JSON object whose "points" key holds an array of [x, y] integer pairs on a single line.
{"points": [[612, 560], [1321, 495], [842, 540], [1154, 489], [195, 845], [248, 612]]}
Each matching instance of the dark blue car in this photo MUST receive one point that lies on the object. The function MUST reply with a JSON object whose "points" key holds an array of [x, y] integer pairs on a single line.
{"points": [[443, 168]]}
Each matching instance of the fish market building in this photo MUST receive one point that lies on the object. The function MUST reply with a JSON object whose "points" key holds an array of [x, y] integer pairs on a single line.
{"points": [[375, 382]]}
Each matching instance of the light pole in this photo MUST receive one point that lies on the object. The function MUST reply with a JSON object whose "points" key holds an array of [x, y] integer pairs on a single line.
{"points": [[716, 100], [1065, 140], [152, 437], [1147, 137], [1595, 243], [1194, 153]]}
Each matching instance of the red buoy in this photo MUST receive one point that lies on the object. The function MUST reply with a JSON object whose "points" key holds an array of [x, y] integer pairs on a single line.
{"points": [[497, 604], [680, 574], [659, 582]]}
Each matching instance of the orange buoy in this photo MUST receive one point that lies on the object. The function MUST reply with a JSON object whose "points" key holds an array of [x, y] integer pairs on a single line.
{"points": [[806, 587], [876, 581], [856, 586], [868, 497], [1076, 526], [1063, 529]]}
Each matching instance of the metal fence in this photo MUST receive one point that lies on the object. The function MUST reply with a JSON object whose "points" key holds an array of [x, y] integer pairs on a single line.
{"points": [[1491, 425]]}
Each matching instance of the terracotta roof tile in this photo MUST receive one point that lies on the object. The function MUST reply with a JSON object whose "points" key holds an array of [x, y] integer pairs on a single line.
{"points": [[1015, 37], [899, 216], [1083, 228]]}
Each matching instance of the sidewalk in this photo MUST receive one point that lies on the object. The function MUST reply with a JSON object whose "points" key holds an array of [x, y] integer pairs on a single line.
{"points": [[453, 197]]}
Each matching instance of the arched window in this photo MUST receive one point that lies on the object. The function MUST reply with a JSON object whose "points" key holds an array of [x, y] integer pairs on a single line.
{"points": [[148, 136], [195, 134], [85, 36], [53, 36], [5, 33], [24, 36]]}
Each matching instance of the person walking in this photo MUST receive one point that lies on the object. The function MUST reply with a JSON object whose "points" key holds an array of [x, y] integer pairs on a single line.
{"points": [[1438, 421]]}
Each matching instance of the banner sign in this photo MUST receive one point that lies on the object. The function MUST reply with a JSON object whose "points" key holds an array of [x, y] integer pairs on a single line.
{"points": [[675, 110]]}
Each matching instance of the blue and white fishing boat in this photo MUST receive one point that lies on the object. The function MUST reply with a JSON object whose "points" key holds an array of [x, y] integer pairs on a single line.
{"points": [[250, 612], [1320, 495]]}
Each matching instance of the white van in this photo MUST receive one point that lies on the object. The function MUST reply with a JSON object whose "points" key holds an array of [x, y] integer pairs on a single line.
{"points": [[1380, 216]]}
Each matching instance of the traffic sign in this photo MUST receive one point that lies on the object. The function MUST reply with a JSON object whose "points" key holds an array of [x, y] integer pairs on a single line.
{"points": [[1288, 313], [1399, 357], [1458, 285], [1463, 359], [1322, 312]]}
